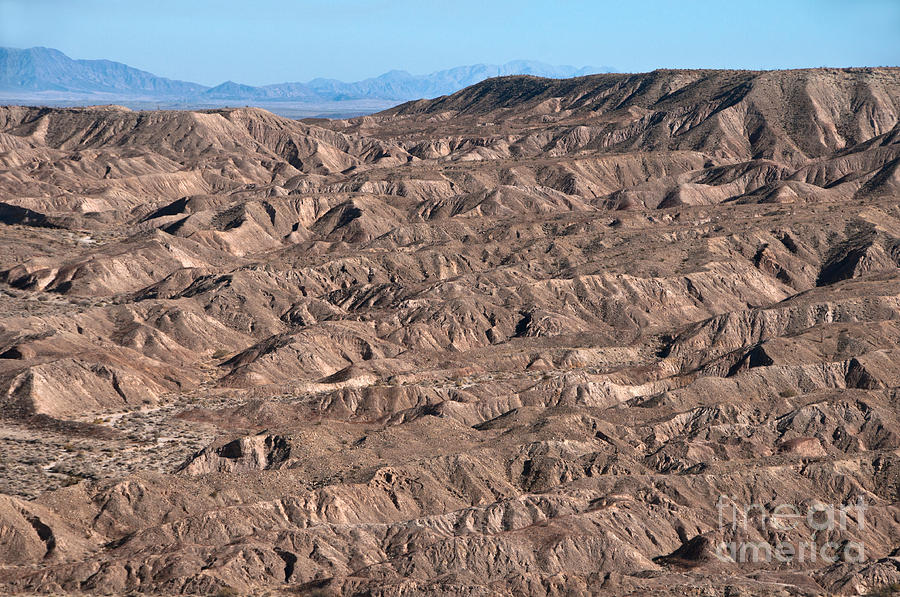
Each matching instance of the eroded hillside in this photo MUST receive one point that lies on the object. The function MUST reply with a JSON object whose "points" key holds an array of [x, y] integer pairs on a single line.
{"points": [[517, 340]]}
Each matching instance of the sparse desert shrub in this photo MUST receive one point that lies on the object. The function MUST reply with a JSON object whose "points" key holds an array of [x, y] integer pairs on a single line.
{"points": [[70, 480]]}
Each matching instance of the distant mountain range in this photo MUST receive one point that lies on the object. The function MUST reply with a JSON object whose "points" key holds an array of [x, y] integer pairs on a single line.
{"points": [[45, 69], [40, 71]]}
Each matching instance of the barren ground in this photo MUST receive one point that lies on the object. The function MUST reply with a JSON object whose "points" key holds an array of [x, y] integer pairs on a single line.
{"points": [[518, 340]]}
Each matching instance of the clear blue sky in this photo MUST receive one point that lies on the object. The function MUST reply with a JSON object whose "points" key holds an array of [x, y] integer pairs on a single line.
{"points": [[270, 41]]}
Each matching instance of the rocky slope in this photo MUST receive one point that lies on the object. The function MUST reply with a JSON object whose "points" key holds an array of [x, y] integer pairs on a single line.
{"points": [[517, 340]]}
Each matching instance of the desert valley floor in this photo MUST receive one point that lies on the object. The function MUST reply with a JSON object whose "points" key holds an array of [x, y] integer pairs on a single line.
{"points": [[519, 340]]}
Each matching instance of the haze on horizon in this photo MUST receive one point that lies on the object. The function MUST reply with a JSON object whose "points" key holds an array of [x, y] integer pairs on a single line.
{"points": [[274, 41]]}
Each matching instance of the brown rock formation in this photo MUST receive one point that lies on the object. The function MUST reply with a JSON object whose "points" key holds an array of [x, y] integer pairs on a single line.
{"points": [[519, 340]]}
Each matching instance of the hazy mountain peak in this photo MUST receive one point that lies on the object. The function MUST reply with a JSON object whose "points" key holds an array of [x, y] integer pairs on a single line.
{"points": [[46, 69], [39, 69]]}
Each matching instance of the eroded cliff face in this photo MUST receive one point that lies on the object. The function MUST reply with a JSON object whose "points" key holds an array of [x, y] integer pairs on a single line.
{"points": [[517, 340]]}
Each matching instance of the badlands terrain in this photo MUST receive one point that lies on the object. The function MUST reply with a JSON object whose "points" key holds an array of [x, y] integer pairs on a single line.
{"points": [[517, 340]]}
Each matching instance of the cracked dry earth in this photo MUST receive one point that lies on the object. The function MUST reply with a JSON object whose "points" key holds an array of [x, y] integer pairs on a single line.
{"points": [[514, 341]]}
